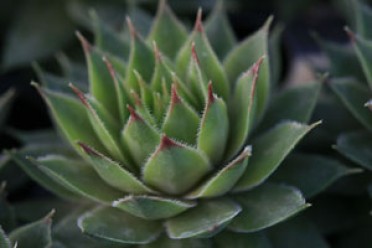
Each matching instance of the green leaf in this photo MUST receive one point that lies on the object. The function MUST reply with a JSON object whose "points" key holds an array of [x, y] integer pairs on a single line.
{"points": [[4, 240], [198, 44], [152, 207], [207, 218], [40, 38], [241, 109], [222, 181], [213, 128], [44, 136], [181, 120], [118, 226], [219, 31], [298, 232], [140, 137], [5, 101], [362, 15], [239, 240], [354, 95], [78, 177], [175, 168], [311, 173], [266, 206], [356, 146], [7, 214], [114, 174], [294, 103], [167, 31], [165, 242], [246, 54], [71, 118], [101, 83], [269, 151], [42, 178], [36, 234], [275, 55]]}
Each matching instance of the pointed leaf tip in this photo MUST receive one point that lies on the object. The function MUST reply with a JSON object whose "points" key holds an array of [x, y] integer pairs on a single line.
{"points": [[79, 94], [157, 53], [132, 29], [194, 54], [174, 95], [198, 22], [211, 96], [350, 34], [133, 114], [87, 149], [84, 42], [167, 143]]}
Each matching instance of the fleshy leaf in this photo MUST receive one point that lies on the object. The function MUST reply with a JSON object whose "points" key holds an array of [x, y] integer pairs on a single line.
{"points": [[244, 55], [78, 177], [225, 179], [214, 128], [167, 31], [71, 118], [251, 240], [269, 151], [267, 205], [206, 218], [241, 109], [114, 174], [4, 240], [118, 226], [311, 173], [208, 60], [181, 121], [36, 234], [219, 31], [152, 207], [297, 232], [162, 77], [354, 95], [140, 137], [175, 168], [165, 242], [295, 103], [357, 147], [141, 59], [102, 86]]}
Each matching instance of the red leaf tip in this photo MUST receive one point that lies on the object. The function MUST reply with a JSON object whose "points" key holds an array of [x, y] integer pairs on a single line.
{"points": [[194, 54], [79, 94], [198, 22], [87, 149], [350, 33], [110, 67], [166, 143], [84, 42], [132, 29], [174, 95], [211, 97], [133, 114], [257, 65]]}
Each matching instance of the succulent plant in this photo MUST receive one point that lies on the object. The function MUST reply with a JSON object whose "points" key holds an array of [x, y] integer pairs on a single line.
{"points": [[161, 137]]}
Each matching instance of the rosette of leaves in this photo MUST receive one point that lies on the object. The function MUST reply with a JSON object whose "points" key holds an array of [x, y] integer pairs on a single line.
{"points": [[161, 136]]}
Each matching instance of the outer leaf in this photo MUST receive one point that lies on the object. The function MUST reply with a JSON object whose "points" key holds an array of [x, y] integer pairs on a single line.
{"points": [[5, 101], [36, 234], [207, 218], [152, 207], [4, 241], [246, 240], [165, 242], [219, 31], [78, 177], [241, 109], [266, 206], [247, 53], [311, 173], [297, 232], [357, 147], [269, 151], [354, 95], [225, 179], [295, 103], [182, 166], [117, 226], [114, 174], [167, 31]]}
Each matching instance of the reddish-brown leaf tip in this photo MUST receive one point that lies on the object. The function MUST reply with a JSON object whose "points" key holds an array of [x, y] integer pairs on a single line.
{"points": [[211, 97], [132, 29], [88, 150], [136, 98], [84, 42], [79, 94], [194, 54], [351, 34], [198, 22], [257, 65], [174, 95], [157, 53], [133, 114], [166, 143]]}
